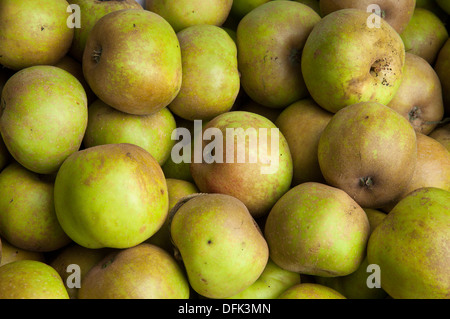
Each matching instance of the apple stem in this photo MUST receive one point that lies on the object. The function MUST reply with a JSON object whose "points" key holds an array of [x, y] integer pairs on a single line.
{"points": [[96, 54], [366, 181]]}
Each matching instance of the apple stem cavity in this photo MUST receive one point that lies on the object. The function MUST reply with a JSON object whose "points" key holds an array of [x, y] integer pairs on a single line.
{"points": [[366, 182], [96, 54]]}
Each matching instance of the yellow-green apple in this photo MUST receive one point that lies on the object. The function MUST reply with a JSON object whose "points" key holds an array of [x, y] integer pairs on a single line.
{"points": [[185, 13], [419, 97], [396, 13], [30, 279], [369, 151], [43, 117], [248, 158], [424, 35], [442, 135], [411, 246], [111, 195], [210, 81], [219, 243], [316, 229], [273, 281], [302, 123], [132, 61], [27, 212], [90, 11], [310, 291], [152, 132], [441, 67], [270, 40], [343, 61], [33, 32]]}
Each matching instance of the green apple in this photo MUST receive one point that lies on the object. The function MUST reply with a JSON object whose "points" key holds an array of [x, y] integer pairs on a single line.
{"points": [[43, 117], [270, 40], [241, 7], [30, 279], [424, 35], [177, 189], [151, 132], [210, 82], [27, 212], [419, 97], [316, 229], [78, 256], [144, 271], [411, 246], [343, 62], [302, 123], [219, 243], [90, 12], [111, 195], [310, 291], [12, 253], [132, 61], [185, 13], [368, 150], [273, 281], [396, 13], [252, 160], [441, 67], [33, 32]]}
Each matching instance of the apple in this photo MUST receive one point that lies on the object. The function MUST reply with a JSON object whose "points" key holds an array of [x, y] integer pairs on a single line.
{"points": [[441, 67], [368, 71], [369, 151], [424, 35], [152, 132], [111, 195], [442, 135], [396, 13], [90, 11], [132, 61], [185, 13], [210, 81], [43, 117], [30, 279], [411, 246], [270, 40], [27, 213], [10, 253], [33, 32], [419, 97], [310, 291]]}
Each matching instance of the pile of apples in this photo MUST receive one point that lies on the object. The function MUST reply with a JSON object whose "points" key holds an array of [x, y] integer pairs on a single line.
{"points": [[115, 181]]}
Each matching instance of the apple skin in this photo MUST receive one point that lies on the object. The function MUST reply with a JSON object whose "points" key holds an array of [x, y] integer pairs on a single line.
{"points": [[37, 136], [30, 279], [152, 132], [273, 281], [442, 135], [27, 213], [111, 195], [302, 123], [33, 32], [10, 253], [337, 40], [424, 35], [211, 80], [411, 246], [370, 151], [316, 229], [396, 13], [185, 13], [441, 67], [132, 61], [310, 291], [419, 97], [269, 41], [245, 181], [90, 12]]}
